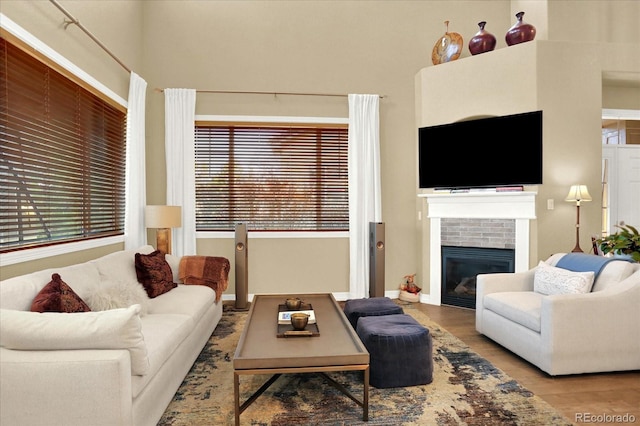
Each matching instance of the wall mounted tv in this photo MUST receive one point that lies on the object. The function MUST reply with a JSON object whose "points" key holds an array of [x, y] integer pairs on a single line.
{"points": [[479, 153]]}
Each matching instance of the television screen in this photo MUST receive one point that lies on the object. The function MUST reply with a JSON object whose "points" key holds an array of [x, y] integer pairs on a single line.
{"points": [[487, 152]]}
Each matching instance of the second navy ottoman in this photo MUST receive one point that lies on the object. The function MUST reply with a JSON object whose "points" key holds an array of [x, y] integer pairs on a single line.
{"points": [[400, 350], [373, 306]]}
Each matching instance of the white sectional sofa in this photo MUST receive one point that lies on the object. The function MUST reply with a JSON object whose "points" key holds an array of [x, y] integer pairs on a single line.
{"points": [[568, 329], [112, 367]]}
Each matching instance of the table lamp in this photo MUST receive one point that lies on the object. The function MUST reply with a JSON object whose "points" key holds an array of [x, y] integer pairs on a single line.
{"points": [[577, 194], [163, 218]]}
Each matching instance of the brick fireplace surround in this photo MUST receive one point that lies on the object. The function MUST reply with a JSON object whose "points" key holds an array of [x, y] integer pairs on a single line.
{"points": [[476, 219]]}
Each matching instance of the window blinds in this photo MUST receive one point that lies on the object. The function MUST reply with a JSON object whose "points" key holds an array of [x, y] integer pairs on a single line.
{"points": [[275, 177], [62, 170]]}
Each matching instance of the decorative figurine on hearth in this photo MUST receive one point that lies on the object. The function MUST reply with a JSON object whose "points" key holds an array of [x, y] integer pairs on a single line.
{"points": [[409, 291]]}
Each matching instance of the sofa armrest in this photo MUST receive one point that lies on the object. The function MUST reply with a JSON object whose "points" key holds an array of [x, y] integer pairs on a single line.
{"points": [[70, 387], [596, 321], [500, 282]]}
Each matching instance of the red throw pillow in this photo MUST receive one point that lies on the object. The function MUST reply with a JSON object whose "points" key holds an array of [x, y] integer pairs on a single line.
{"points": [[154, 273], [57, 296]]}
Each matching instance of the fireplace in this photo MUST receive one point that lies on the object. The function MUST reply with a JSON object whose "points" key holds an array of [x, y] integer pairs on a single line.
{"points": [[517, 206], [461, 265]]}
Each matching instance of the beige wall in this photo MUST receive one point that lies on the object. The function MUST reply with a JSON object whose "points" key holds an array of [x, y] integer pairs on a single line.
{"points": [[594, 21], [333, 47], [310, 46], [117, 24], [524, 78], [620, 97]]}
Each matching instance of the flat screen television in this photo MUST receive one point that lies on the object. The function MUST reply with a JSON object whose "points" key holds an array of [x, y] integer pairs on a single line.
{"points": [[488, 152]]}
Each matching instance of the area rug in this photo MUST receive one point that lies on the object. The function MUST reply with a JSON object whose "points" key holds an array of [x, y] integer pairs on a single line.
{"points": [[466, 390]]}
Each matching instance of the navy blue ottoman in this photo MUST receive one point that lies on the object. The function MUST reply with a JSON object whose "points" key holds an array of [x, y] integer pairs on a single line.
{"points": [[373, 306], [400, 350]]}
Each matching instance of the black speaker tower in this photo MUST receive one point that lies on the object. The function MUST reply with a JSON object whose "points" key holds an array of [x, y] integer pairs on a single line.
{"points": [[376, 259], [242, 268]]}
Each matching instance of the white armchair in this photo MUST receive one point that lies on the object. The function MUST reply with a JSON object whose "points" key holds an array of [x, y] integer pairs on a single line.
{"points": [[574, 333]]}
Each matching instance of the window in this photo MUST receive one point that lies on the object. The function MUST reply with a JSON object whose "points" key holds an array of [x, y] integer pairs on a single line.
{"points": [[62, 165], [273, 177]]}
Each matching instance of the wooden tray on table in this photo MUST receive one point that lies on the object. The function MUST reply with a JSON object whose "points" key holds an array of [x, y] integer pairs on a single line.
{"points": [[286, 330]]}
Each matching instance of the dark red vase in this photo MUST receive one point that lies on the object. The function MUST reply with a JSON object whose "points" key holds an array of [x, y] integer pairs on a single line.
{"points": [[482, 42], [520, 32]]}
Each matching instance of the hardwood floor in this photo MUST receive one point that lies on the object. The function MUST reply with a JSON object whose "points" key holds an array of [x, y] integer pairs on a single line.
{"points": [[587, 395]]}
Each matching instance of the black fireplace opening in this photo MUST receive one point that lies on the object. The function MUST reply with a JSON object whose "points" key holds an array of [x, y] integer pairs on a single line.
{"points": [[460, 267]]}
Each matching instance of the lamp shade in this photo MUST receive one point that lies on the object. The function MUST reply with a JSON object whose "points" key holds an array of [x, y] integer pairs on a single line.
{"points": [[578, 193], [163, 216]]}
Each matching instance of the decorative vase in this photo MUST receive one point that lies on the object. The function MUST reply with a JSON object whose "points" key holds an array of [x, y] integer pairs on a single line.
{"points": [[520, 32], [482, 42], [448, 48]]}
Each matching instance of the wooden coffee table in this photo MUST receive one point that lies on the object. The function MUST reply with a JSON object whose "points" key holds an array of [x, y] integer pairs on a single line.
{"points": [[336, 348]]}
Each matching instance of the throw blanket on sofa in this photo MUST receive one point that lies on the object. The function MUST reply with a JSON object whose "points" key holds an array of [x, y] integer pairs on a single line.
{"points": [[582, 262], [211, 271]]}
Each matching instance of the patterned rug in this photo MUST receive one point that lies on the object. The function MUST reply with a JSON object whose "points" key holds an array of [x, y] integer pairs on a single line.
{"points": [[466, 390]]}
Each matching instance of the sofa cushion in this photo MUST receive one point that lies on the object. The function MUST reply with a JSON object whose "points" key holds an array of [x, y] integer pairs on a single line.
{"points": [[190, 300], [57, 296], [522, 307], [552, 280], [118, 294], [174, 262], [613, 273], [113, 329], [163, 335], [19, 292], [119, 265], [154, 273]]}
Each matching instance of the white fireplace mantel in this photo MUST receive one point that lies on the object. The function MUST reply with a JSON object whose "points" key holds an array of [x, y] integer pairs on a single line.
{"points": [[517, 205]]}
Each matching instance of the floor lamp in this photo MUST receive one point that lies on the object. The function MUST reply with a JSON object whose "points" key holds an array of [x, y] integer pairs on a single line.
{"points": [[577, 194], [163, 218]]}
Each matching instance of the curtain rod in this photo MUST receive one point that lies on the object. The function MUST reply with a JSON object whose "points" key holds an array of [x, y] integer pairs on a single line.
{"points": [[244, 92], [73, 20]]}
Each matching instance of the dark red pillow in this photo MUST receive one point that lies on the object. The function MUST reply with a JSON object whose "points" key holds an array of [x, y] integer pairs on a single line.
{"points": [[154, 273], [57, 296]]}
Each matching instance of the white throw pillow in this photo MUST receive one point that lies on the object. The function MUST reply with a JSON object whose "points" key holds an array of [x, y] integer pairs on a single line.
{"points": [[118, 294], [113, 329], [552, 280]]}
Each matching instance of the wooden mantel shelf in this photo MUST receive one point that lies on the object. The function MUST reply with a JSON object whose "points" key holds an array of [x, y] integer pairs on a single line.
{"points": [[495, 205]]}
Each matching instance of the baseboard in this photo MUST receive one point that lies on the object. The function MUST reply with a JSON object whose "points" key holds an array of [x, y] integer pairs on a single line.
{"points": [[342, 296]]}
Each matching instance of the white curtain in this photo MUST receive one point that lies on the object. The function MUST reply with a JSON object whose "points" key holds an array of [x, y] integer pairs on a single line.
{"points": [[135, 232], [180, 110], [364, 186]]}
